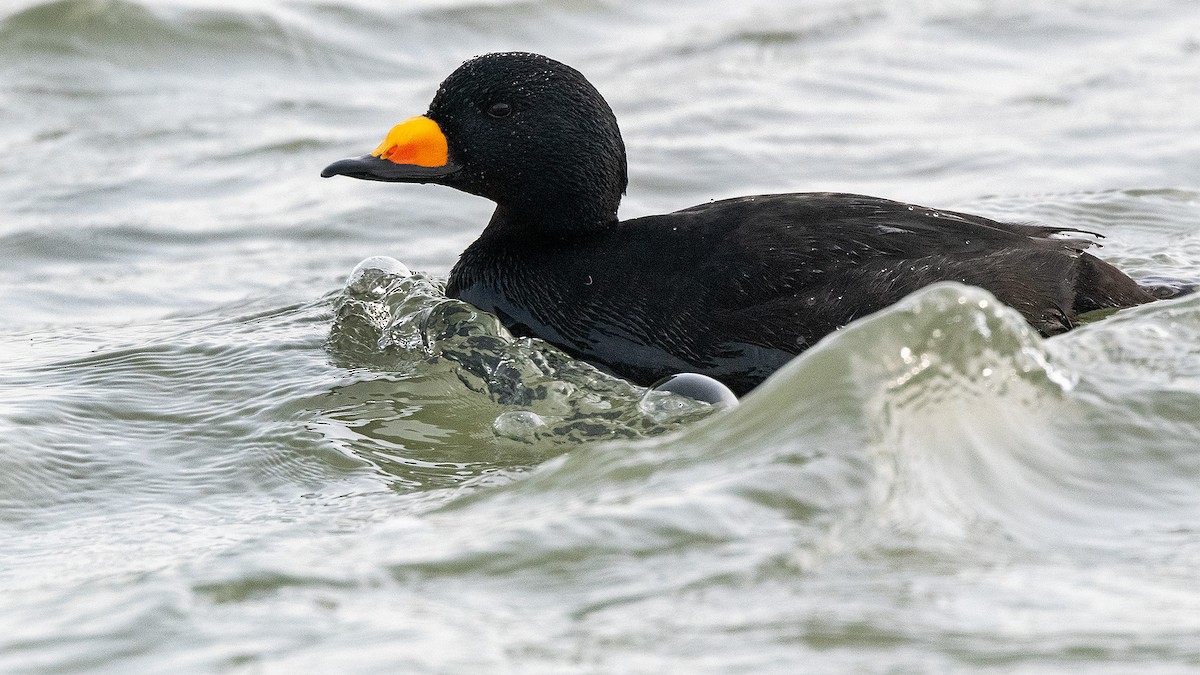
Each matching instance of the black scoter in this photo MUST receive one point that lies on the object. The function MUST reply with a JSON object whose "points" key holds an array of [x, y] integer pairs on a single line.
{"points": [[732, 289]]}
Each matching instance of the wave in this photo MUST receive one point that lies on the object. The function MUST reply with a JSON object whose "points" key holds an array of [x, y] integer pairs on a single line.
{"points": [[165, 36], [942, 425]]}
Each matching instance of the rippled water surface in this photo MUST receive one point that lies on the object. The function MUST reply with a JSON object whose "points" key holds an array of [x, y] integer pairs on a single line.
{"points": [[228, 447]]}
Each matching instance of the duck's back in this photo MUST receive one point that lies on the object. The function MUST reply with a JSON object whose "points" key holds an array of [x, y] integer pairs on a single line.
{"points": [[735, 288]]}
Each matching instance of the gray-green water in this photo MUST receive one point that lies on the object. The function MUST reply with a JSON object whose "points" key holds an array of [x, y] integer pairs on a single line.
{"points": [[216, 457]]}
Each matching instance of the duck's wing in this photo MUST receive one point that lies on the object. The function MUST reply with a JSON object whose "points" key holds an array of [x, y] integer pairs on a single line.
{"points": [[799, 266], [837, 221]]}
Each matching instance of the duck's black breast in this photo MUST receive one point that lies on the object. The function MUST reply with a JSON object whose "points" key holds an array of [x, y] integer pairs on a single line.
{"points": [[733, 289]]}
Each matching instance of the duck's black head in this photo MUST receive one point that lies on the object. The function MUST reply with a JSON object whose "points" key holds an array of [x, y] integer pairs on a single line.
{"points": [[527, 132]]}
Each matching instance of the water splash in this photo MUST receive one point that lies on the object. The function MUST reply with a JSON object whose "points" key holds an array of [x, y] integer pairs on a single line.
{"points": [[403, 324]]}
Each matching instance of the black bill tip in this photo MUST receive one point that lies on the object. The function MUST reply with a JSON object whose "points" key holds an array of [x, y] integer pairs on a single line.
{"points": [[370, 167]]}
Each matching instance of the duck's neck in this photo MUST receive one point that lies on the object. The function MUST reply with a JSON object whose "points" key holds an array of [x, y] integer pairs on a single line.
{"points": [[509, 253], [516, 228]]}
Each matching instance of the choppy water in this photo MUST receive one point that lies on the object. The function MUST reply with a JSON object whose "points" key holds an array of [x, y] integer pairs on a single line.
{"points": [[218, 456]]}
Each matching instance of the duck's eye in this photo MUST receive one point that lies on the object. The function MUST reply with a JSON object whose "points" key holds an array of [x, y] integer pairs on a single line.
{"points": [[500, 110]]}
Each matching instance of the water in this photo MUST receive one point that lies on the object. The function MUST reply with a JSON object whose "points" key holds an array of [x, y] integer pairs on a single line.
{"points": [[218, 455]]}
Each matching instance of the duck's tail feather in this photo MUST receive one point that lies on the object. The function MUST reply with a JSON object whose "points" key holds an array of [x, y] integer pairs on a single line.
{"points": [[1165, 289]]}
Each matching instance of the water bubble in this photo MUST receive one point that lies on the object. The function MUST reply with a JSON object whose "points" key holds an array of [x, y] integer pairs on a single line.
{"points": [[518, 425], [700, 387], [374, 277]]}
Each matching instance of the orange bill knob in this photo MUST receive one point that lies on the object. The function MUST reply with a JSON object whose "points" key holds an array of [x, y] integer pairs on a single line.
{"points": [[415, 151], [417, 141]]}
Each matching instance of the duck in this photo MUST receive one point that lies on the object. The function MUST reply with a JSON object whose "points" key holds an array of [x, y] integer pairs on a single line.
{"points": [[731, 289]]}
